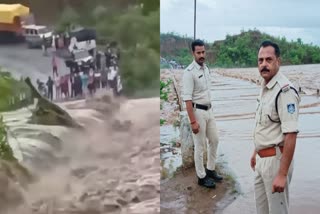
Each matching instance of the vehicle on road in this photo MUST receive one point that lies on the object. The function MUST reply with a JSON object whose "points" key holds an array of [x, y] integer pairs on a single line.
{"points": [[80, 59], [83, 38], [12, 17], [37, 35]]}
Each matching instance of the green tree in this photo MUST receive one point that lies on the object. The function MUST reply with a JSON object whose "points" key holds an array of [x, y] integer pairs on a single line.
{"points": [[240, 50]]}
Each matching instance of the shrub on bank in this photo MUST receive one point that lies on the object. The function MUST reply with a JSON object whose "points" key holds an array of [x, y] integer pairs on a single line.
{"points": [[6, 152], [14, 94]]}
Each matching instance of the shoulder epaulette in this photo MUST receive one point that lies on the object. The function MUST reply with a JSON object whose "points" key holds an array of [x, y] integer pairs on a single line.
{"points": [[190, 67], [285, 88]]}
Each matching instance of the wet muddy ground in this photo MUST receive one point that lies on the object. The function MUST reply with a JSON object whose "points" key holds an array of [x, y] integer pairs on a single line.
{"points": [[234, 105], [181, 194]]}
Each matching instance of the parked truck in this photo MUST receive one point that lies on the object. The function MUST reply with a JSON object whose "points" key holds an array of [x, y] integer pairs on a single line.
{"points": [[12, 18], [37, 35]]}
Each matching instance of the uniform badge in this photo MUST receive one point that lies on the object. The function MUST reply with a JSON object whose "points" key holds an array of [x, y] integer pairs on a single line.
{"points": [[291, 108]]}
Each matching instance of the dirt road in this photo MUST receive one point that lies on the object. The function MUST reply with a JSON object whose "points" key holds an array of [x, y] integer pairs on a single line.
{"points": [[22, 61]]}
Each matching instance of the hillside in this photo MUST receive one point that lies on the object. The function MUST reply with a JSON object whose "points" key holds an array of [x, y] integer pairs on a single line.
{"points": [[238, 50], [177, 48]]}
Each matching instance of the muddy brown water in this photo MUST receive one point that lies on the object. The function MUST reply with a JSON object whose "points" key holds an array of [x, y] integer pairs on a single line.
{"points": [[109, 170], [234, 106]]}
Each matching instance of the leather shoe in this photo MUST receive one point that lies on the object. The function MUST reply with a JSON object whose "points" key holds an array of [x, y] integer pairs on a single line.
{"points": [[214, 175], [206, 182]]}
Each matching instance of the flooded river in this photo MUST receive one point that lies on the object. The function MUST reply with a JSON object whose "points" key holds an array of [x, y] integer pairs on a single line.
{"points": [[104, 169]]}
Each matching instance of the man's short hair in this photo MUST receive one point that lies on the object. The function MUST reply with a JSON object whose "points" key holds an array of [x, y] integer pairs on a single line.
{"points": [[272, 44], [195, 43]]}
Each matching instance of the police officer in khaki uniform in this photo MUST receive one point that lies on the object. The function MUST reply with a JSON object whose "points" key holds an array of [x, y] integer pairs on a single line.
{"points": [[196, 94], [275, 134]]}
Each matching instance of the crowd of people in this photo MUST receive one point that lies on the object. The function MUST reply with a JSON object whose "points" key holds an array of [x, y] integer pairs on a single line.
{"points": [[86, 75], [74, 85], [80, 82]]}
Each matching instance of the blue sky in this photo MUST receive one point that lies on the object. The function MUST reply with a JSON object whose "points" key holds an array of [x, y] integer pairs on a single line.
{"points": [[217, 18]]}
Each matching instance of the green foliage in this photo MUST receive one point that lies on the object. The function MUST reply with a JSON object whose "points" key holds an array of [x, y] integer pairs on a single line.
{"points": [[11, 91], [164, 92], [175, 47], [162, 121], [69, 18], [164, 89], [139, 65], [8, 162], [6, 152], [239, 50], [164, 66]]}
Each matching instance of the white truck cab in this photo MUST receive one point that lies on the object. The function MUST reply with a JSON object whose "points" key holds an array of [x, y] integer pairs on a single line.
{"points": [[82, 57], [35, 35]]}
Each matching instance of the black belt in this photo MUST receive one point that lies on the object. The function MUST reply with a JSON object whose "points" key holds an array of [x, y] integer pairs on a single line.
{"points": [[203, 107]]}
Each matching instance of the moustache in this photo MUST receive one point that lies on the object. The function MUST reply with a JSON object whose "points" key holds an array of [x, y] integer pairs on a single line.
{"points": [[202, 58], [265, 69]]}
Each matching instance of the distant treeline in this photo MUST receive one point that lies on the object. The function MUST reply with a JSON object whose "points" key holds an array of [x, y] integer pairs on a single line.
{"points": [[238, 50]]}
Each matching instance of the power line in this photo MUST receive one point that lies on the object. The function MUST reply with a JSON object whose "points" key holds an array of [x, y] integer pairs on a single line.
{"points": [[195, 15]]}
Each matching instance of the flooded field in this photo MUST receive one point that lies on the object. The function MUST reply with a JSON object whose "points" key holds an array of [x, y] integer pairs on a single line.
{"points": [[234, 106], [305, 76]]}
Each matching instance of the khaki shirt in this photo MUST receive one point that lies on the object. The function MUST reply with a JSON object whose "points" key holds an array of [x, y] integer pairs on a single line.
{"points": [[268, 133], [196, 84]]}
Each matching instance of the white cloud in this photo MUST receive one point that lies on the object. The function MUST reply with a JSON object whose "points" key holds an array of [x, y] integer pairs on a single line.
{"points": [[166, 5], [208, 3]]}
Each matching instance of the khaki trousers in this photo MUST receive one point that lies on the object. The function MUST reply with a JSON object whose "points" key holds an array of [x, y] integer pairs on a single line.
{"points": [[208, 130], [266, 170]]}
